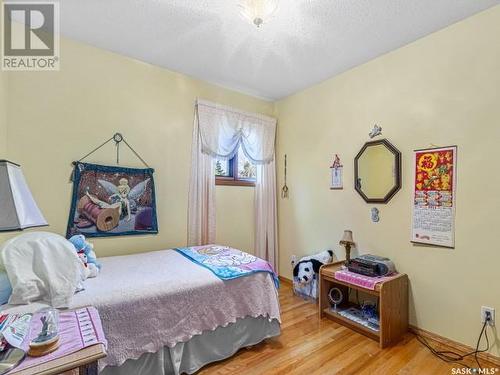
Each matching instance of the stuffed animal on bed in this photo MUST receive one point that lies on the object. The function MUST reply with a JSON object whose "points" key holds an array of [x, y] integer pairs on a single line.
{"points": [[305, 273], [85, 251]]}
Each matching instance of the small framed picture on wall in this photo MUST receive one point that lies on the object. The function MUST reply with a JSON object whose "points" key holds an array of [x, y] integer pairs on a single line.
{"points": [[336, 179]]}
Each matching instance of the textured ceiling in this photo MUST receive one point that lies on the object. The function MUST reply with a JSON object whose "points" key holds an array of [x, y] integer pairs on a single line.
{"points": [[306, 42]]}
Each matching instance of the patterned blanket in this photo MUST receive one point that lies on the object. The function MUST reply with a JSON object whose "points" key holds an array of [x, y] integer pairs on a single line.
{"points": [[227, 263]]}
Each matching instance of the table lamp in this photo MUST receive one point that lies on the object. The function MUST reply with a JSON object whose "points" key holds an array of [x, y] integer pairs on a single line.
{"points": [[347, 241], [18, 209]]}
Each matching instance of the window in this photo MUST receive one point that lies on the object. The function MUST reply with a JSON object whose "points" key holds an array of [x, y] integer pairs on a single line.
{"points": [[239, 171]]}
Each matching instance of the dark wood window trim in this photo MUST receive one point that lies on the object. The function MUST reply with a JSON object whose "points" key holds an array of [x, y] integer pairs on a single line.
{"points": [[230, 181], [233, 180]]}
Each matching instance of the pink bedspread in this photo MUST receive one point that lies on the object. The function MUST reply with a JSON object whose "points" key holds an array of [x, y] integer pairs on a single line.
{"points": [[361, 280], [150, 300]]}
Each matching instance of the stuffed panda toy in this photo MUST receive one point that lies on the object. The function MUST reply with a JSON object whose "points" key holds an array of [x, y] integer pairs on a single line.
{"points": [[305, 273]]}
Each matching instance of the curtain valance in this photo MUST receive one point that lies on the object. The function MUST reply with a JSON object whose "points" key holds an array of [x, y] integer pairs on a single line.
{"points": [[223, 129]]}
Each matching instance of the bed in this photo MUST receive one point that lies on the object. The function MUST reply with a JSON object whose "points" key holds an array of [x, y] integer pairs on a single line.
{"points": [[164, 314]]}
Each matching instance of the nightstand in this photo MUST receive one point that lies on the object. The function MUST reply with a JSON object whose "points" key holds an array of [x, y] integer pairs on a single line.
{"points": [[81, 344], [392, 296], [82, 362]]}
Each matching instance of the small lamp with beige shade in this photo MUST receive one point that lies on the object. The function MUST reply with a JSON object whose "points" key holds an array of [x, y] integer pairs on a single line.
{"points": [[347, 241], [18, 209]]}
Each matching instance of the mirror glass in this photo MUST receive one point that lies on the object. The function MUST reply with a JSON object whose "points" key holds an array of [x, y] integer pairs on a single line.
{"points": [[378, 171]]}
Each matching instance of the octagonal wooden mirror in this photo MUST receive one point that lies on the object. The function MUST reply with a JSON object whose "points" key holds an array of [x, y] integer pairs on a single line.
{"points": [[377, 171]]}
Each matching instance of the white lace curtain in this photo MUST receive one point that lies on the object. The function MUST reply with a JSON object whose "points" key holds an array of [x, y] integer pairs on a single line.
{"points": [[223, 129], [218, 132]]}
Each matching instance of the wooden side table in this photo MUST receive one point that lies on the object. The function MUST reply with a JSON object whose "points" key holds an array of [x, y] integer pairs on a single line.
{"points": [[82, 362], [392, 301]]}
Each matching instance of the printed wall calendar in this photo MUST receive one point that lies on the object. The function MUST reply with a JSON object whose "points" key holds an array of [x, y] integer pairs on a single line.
{"points": [[433, 220]]}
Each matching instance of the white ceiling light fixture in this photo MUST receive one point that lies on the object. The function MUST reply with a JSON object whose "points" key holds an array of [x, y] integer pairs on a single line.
{"points": [[258, 12]]}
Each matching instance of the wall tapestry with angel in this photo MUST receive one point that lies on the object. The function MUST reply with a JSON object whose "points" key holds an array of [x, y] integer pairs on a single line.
{"points": [[112, 201]]}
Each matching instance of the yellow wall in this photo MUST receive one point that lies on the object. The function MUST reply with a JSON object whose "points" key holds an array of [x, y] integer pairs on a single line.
{"points": [[3, 111], [443, 89], [3, 114], [57, 117], [235, 216]]}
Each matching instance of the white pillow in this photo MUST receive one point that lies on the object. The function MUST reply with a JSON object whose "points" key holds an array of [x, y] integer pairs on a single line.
{"points": [[5, 288], [41, 266]]}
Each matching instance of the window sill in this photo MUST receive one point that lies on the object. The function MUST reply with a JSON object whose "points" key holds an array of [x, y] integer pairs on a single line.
{"points": [[232, 182]]}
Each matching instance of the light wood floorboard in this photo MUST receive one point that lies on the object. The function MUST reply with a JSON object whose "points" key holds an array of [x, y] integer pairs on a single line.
{"points": [[308, 345]]}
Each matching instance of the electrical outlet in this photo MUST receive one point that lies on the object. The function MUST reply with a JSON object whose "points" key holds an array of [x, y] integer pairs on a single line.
{"points": [[484, 311]]}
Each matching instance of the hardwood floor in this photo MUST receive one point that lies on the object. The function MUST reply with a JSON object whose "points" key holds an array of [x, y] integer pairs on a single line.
{"points": [[308, 345]]}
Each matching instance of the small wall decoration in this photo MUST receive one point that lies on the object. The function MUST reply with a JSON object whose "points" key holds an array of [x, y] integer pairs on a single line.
{"points": [[377, 130], [336, 181], [284, 189], [112, 201], [433, 220], [375, 214]]}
